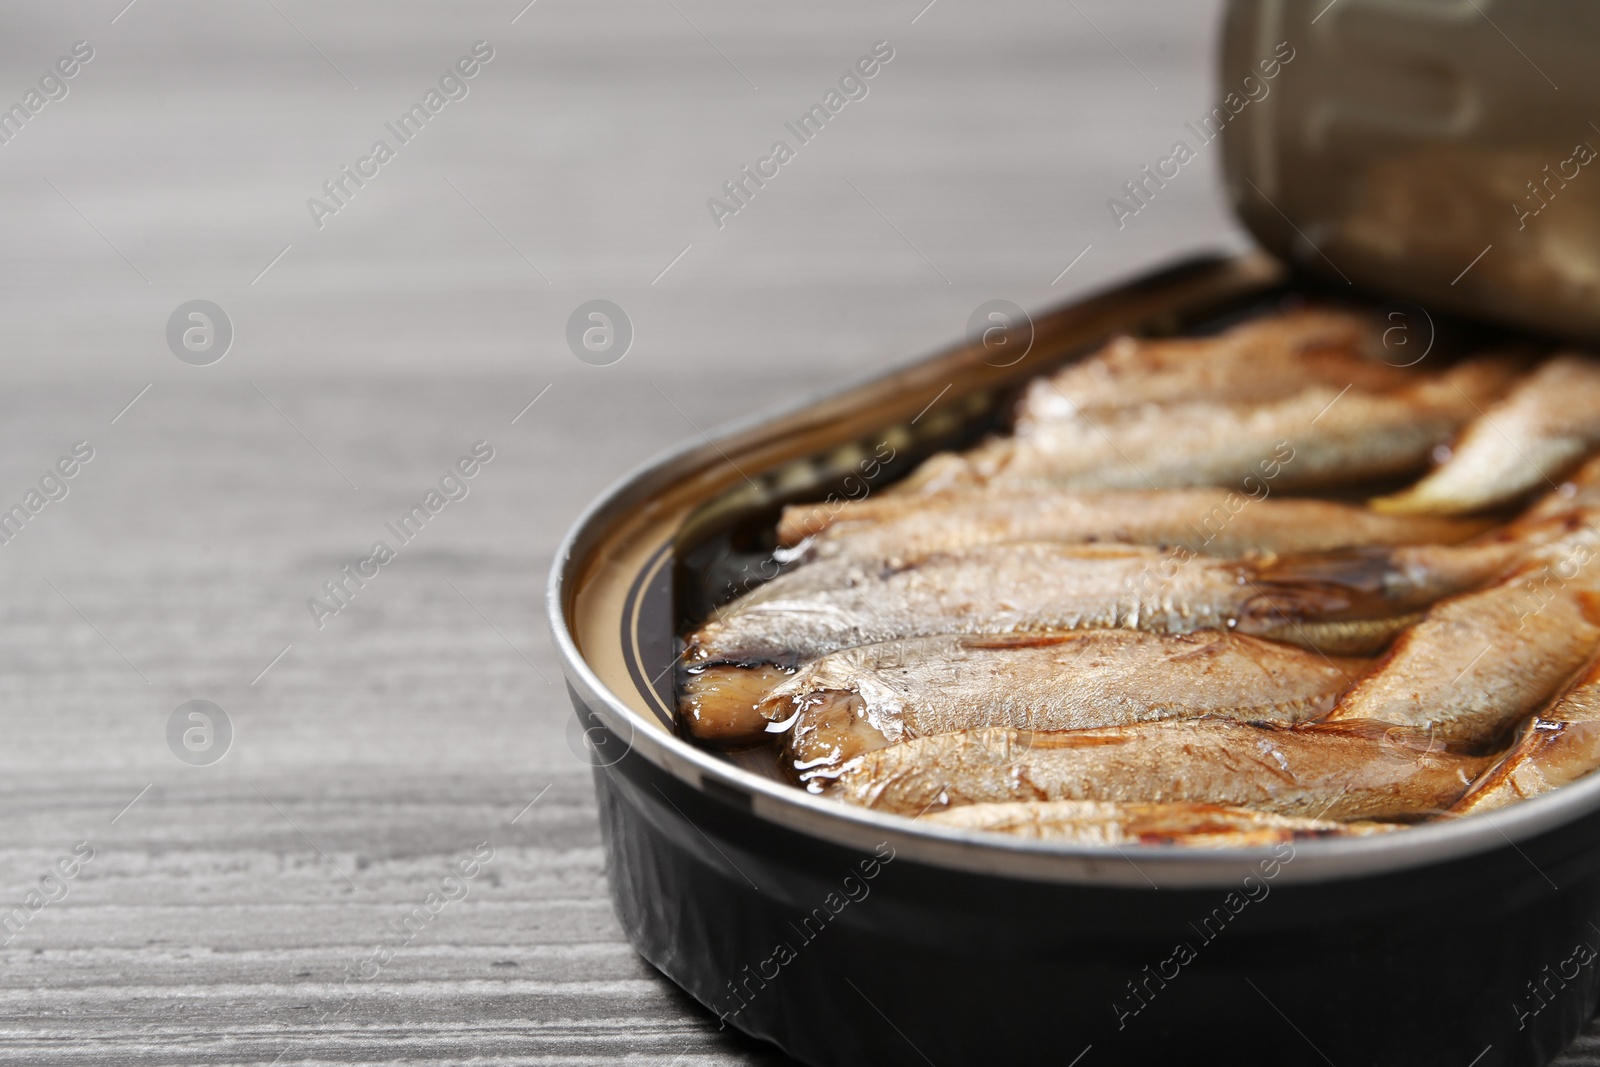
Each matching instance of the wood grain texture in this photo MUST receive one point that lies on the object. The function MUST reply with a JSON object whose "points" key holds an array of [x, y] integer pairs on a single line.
{"points": [[224, 908]]}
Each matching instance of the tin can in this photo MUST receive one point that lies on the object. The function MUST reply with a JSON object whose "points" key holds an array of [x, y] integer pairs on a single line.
{"points": [[849, 937]]}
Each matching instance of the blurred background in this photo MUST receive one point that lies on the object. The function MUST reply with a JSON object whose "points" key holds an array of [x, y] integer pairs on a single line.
{"points": [[228, 902]]}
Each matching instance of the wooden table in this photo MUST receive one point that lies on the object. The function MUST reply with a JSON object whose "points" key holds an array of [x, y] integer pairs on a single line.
{"points": [[225, 904]]}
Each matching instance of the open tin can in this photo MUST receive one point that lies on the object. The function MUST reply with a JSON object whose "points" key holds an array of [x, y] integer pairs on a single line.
{"points": [[845, 936]]}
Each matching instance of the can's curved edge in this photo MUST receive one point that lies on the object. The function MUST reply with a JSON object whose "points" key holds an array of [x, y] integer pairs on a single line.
{"points": [[1159, 866]]}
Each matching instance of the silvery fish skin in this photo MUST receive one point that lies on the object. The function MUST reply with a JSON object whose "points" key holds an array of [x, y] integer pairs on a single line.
{"points": [[1259, 360], [1557, 747], [1482, 660], [1545, 425], [827, 605], [1212, 521], [1321, 436], [865, 698], [1330, 774], [1088, 822]]}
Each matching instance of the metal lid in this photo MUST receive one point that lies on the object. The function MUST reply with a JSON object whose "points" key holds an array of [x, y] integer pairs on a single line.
{"points": [[1443, 151]]}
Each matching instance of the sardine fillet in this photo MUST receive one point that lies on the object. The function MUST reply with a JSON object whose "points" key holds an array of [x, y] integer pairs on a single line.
{"points": [[1550, 421], [1329, 774], [1318, 437], [1560, 745], [832, 604], [1257, 360], [827, 605], [864, 698], [1480, 661], [1211, 521], [1087, 822]]}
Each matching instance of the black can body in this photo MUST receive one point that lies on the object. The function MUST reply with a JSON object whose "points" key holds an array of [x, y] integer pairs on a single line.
{"points": [[846, 957]]}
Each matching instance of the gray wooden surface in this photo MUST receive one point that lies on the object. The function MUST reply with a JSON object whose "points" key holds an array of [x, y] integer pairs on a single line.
{"points": [[225, 904]]}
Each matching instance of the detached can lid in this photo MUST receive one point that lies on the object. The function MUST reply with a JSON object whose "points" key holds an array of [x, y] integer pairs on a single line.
{"points": [[1444, 151]]}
